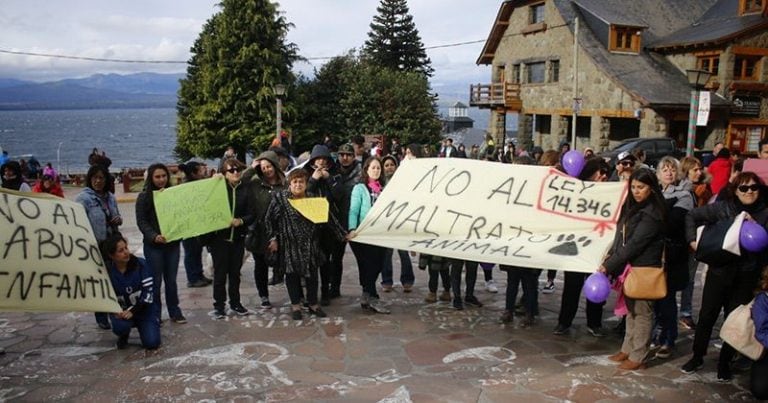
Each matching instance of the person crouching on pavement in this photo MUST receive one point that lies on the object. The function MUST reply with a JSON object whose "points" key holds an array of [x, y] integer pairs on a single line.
{"points": [[132, 280], [296, 240]]}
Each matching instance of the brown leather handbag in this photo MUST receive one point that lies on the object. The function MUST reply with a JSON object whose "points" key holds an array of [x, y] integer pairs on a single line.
{"points": [[646, 282]]}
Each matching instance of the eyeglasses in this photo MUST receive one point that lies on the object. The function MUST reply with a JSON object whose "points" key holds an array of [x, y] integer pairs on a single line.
{"points": [[753, 187], [233, 170], [627, 163]]}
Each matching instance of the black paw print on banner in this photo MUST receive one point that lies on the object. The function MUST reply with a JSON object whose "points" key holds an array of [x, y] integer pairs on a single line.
{"points": [[569, 245]]}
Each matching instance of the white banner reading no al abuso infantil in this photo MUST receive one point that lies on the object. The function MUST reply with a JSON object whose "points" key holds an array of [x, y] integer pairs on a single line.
{"points": [[518, 215]]}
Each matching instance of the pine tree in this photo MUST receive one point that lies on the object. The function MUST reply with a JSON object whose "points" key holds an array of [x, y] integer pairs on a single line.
{"points": [[226, 98], [394, 42]]}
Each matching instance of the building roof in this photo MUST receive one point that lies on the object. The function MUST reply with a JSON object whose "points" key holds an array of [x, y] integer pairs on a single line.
{"points": [[647, 76], [720, 24], [458, 104]]}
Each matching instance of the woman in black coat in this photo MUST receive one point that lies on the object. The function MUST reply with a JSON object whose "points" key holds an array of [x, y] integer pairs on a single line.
{"points": [[732, 284], [639, 242]]}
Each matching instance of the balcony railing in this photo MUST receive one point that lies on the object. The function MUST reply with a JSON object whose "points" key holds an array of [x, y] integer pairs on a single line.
{"points": [[496, 95]]}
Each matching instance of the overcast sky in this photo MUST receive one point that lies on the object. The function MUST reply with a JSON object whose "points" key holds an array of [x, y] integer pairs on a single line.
{"points": [[165, 30]]}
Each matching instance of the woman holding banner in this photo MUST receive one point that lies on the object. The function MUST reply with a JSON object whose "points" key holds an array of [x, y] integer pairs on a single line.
{"points": [[101, 208], [193, 247], [162, 256], [370, 258], [132, 281], [228, 246], [296, 240], [639, 241]]}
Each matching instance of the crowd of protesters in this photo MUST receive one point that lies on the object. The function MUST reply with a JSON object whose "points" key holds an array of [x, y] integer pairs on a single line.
{"points": [[657, 225]]}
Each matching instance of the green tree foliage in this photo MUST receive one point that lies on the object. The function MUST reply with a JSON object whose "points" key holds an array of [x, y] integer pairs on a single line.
{"points": [[227, 98], [379, 100], [394, 41], [318, 101]]}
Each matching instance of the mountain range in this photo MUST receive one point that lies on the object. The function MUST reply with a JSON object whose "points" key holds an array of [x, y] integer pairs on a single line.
{"points": [[148, 90]]}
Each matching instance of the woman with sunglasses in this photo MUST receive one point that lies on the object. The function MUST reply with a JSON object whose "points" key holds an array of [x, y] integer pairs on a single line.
{"points": [[228, 245], [730, 285]]}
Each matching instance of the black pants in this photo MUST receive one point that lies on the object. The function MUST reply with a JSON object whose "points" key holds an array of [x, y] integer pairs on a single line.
{"points": [[333, 269], [435, 275], [758, 382], [261, 275], [293, 284], [529, 279], [370, 261], [470, 278], [227, 261], [569, 303], [723, 291]]}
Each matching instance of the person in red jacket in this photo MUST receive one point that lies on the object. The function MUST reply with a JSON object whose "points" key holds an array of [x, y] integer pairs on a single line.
{"points": [[720, 169], [48, 184]]}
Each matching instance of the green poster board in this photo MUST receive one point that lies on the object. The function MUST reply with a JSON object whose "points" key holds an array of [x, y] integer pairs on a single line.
{"points": [[193, 208]]}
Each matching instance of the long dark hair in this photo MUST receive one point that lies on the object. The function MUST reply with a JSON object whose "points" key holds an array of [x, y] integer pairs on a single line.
{"points": [[364, 172], [150, 184], [189, 169], [729, 192], [656, 198], [15, 167], [109, 247]]}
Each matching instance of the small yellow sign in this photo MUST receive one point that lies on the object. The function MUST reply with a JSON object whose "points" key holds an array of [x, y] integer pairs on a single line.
{"points": [[315, 209]]}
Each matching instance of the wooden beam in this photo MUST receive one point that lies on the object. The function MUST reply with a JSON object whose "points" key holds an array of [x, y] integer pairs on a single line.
{"points": [[749, 51], [606, 113]]}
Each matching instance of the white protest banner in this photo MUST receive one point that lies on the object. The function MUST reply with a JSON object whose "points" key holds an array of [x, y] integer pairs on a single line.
{"points": [[519, 215], [49, 258]]}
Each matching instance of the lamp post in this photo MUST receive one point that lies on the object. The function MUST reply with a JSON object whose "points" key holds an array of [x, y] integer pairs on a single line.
{"points": [[279, 90], [58, 157], [697, 79]]}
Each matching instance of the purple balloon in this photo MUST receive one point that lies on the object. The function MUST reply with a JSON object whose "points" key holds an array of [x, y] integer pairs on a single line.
{"points": [[573, 162], [597, 287], [487, 266], [753, 236]]}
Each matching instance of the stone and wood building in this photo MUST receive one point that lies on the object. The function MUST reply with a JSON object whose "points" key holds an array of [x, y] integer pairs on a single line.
{"points": [[632, 58]]}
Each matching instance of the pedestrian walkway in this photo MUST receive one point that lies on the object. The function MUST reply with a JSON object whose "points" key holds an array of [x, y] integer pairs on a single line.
{"points": [[421, 352]]}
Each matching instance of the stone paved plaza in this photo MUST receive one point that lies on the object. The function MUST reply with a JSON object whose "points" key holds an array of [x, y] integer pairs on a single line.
{"points": [[420, 353]]}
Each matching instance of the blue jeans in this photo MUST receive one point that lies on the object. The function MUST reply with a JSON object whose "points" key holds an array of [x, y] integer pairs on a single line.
{"points": [[686, 296], [665, 311], [193, 259], [406, 268], [148, 325], [164, 261]]}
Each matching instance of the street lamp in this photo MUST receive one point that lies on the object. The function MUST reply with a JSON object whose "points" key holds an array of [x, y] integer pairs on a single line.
{"points": [[279, 90], [58, 156], [697, 79]]}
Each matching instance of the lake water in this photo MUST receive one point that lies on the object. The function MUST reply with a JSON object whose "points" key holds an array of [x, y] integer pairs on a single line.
{"points": [[130, 137]]}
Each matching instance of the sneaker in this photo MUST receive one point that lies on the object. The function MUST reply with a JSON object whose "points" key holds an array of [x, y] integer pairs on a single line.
{"points": [[122, 342], [376, 307], [265, 303], [473, 301], [458, 304], [549, 288], [386, 287], [318, 312], [431, 298], [507, 317], [664, 352], [687, 323], [490, 286], [296, 315], [561, 330], [198, 284], [207, 280], [445, 296], [596, 331], [724, 373], [693, 365], [407, 288], [219, 313], [629, 365], [240, 310], [180, 319]]}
